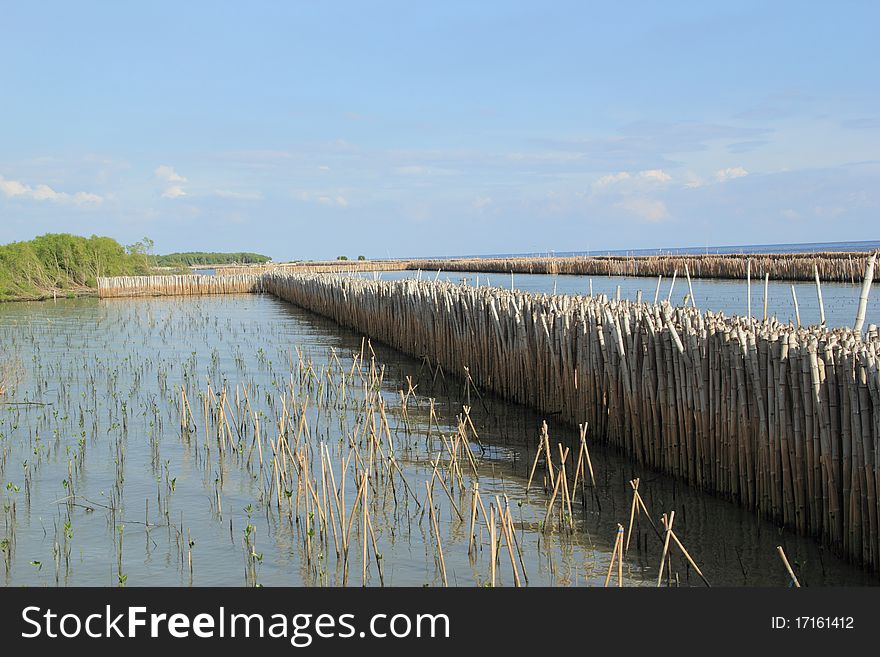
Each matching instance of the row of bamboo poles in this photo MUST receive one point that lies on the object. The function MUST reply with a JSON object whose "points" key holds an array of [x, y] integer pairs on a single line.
{"points": [[784, 421], [833, 267], [328, 267], [178, 285]]}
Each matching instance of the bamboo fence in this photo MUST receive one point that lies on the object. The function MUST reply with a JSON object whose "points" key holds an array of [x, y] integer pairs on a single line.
{"points": [[833, 267], [328, 267], [782, 420], [177, 285]]}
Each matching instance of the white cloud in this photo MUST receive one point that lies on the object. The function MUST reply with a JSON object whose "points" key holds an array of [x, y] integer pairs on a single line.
{"points": [[18, 189], [168, 174], [788, 213], [175, 191], [481, 202], [632, 180], [238, 196], [339, 201], [612, 178], [648, 209], [723, 175], [174, 187], [656, 175], [87, 197], [13, 187]]}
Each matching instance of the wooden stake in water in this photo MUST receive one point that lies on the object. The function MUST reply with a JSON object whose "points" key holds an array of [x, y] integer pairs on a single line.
{"points": [[791, 574], [866, 290], [616, 556], [672, 286], [668, 525], [766, 293], [797, 312], [689, 559], [436, 533], [690, 287], [749, 289], [819, 296]]}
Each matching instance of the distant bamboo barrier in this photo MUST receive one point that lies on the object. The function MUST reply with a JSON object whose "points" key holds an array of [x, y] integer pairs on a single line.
{"points": [[328, 267], [180, 285], [781, 420], [831, 266], [836, 267]]}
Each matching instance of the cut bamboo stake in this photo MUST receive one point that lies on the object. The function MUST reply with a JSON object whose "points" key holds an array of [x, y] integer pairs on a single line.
{"points": [[791, 574], [797, 312], [437, 534], [749, 289], [493, 546], [671, 286], [766, 293], [690, 287], [583, 458], [667, 523], [866, 290], [819, 297], [620, 555], [507, 531], [616, 558], [634, 510], [689, 559]]}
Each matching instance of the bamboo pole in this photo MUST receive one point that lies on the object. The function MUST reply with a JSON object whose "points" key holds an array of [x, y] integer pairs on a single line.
{"points": [[690, 287], [866, 290], [819, 297], [667, 524], [671, 286], [749, 288], [791, 574], [766, 293]]}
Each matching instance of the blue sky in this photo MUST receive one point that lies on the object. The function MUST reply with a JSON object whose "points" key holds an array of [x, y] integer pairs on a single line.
{"points": [[313, 129]]}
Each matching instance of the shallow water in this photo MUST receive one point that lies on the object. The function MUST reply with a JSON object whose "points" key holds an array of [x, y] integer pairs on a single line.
{"points": [[841, 300], [91, 442]]}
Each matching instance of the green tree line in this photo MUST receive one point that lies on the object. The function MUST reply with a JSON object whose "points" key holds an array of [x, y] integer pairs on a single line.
{"points": [[66, 264], [209, 258]]}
